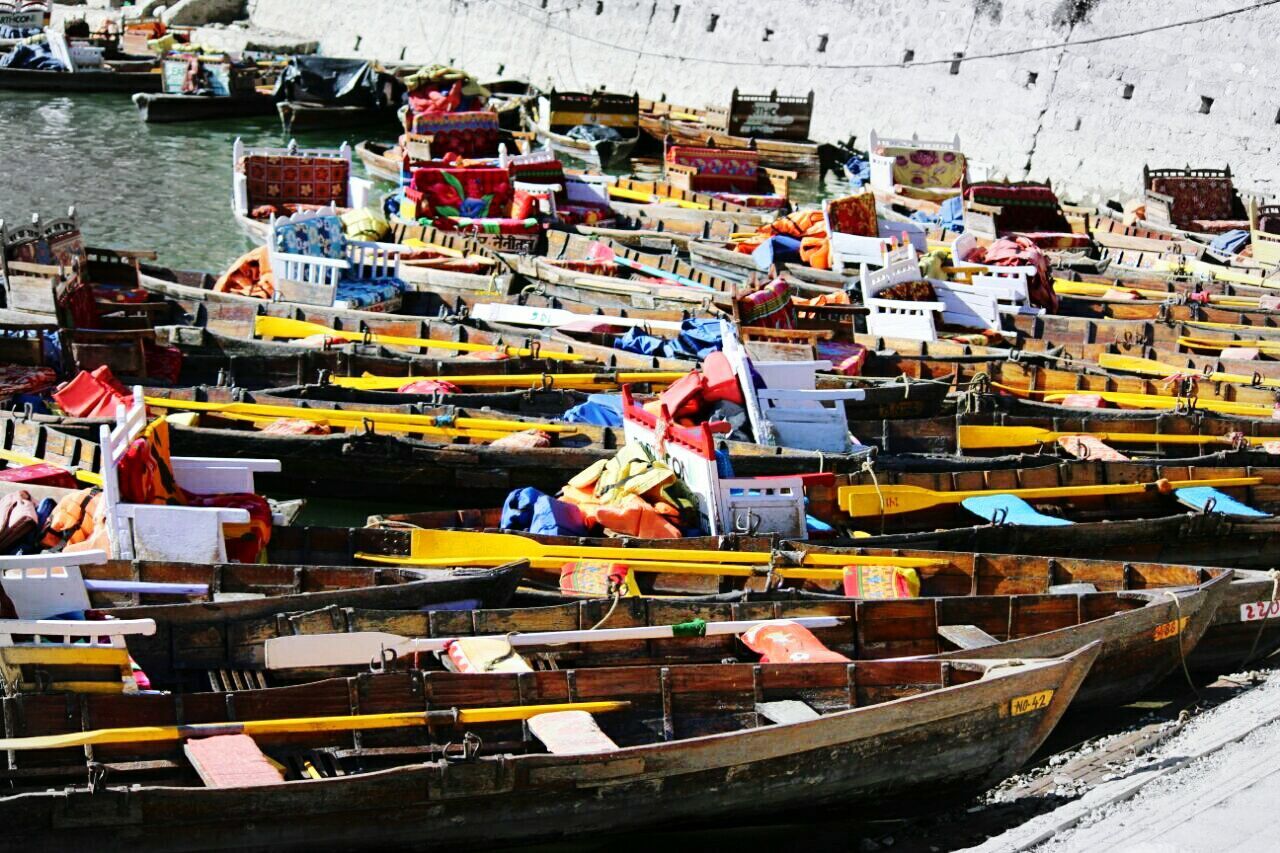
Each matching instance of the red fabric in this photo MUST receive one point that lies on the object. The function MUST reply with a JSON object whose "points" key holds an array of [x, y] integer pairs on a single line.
{"points": [[1023, 206], [248, 546], [164, 361], [433, 100], [1196, 198], [1084, 401], [93, 394], [429, 386], [721, 382], [1019, 251], [231, 761], [296, 426], [784, 641], [43, 474], [475, 193], [273, 180]]}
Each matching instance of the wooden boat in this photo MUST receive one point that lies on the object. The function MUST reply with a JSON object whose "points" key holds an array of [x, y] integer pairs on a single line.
{"points": [[776, 126], [305, 116], [1130, 663], [159, 108], [560, 112], [881, 735], [1243, 626], [378, 162], [107, 80]]}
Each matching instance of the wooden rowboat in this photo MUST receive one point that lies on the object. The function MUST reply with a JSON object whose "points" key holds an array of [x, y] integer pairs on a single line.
{"points": [[1136, 655], [886, 734], [163, 108], [28, 79]]}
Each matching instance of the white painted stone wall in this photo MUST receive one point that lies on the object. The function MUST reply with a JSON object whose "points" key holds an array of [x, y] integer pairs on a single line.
{"points": [[1057, 112]]}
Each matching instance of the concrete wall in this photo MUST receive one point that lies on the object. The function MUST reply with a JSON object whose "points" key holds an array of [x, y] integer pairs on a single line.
{"points": [[1056, 112]]}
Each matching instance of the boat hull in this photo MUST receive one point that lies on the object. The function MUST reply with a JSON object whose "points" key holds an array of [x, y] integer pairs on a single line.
{"points": [[156, 108], [25, 79]]}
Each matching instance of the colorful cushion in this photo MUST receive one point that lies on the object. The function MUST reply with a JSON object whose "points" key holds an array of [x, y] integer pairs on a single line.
{"points": [[1196, 198], [467, 134], [318, 237], [1218, 226], [362, 294], [471, 193], [719, 169], [923, 167], [293, 179], [854, 214], [769, 307], [1024, 206]]}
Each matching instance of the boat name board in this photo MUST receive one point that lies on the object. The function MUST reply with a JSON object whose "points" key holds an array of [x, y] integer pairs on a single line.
{"points": [[1031, 702], [1256, 610]]}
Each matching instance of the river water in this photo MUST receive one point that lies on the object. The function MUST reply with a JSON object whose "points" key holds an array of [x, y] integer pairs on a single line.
{"points": [[136, 186]]}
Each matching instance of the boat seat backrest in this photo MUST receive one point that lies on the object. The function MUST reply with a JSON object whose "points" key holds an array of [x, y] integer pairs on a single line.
{"points": [[898, 318], [313, 234], [707, 169], [291, 175], [467, 134], [806, 420], [1023, 206], [916, 164], [43, 586]]}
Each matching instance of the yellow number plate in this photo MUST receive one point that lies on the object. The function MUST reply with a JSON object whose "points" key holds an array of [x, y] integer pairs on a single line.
{"points": [[1030, 702], [1171, 629]]}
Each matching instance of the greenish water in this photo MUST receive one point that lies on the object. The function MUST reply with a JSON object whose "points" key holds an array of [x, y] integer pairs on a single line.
{"points": [[138, 186]]}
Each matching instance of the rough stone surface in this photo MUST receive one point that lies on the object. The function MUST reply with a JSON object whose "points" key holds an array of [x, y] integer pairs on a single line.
{"points": [[1054, 111], [194, 13], [237, 39]]}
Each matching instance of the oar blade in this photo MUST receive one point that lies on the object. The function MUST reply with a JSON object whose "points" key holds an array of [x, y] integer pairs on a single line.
{"points": [[873, 501], [310, 650], [974, 437]]}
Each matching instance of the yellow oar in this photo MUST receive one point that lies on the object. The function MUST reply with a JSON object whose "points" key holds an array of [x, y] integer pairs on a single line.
{"points": [[863, 501], [1146, 401], [462, 544], [653, 198], [1085, 288], [284, 327], [555, 564], [264, 411], [1151, 367], [353, 425], [1218, 344], [23, 459], [1002, 437], [579, 381], [303, 725]]}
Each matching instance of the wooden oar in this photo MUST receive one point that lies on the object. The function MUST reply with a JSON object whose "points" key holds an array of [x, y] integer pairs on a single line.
{"points": [[360, 647], [1151, 367], [23, 459], [1145, 401], [284, 327], [262, 411], [555, 564], [458, 545], [654, 198], [970, 437], [889, 499], [1084, 288], [356, 424], [1270, 346], [577, 381], [302, 725]]}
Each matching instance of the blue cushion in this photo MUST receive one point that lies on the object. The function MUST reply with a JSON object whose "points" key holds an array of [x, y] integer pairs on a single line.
{"points": [[318, 237], [358, 294]]}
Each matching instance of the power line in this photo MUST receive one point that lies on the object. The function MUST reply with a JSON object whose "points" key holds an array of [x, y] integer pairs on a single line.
{"points": [[1204, 19]]}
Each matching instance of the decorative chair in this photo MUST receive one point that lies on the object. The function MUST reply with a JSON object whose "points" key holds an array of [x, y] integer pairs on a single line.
{"points": [[314, 263], [467, 134], [855, 231], [275, 178], [1201, 200], [1026, 208], [168, 532], [925, 170], [1008, 284], [891, 315]]}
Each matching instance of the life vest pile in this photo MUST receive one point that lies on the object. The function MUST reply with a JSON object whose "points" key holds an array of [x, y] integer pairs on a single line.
{"points": [[633, 494], [91, 394]]}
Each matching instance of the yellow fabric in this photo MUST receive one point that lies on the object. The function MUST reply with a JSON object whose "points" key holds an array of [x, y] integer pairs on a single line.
{"points": [[881, 582], [364, 224], [918, 167]]}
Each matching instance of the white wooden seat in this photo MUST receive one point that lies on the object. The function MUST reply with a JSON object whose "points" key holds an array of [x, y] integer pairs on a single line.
{"points": [[955, 303], [883, 153], [313, 279], [163, 532], [1010, 285], [852, 250], [788, 412]]}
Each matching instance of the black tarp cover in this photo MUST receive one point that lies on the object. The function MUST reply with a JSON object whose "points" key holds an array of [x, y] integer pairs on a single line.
{"points": [[337, 82]]}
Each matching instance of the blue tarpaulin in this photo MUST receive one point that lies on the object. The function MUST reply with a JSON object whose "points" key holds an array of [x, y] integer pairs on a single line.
{"points": [[950, 215], [36, 57], [533, 511], [776, 250], [697, 340], [1230, 242], [859, 172], [600, 410]]}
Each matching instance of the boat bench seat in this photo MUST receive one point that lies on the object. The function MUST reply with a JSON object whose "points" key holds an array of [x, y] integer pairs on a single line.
{"points": [[570, 733], [231, 761], [786, 711], [966, 636]]}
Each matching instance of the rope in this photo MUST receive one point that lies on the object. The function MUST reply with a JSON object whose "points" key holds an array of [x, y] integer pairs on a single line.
{"points": [[1182, 652], [617, 596], [1262, 623], [875, 481]]}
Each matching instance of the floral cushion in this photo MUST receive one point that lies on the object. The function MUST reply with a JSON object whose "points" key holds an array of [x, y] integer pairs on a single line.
{"points": [[855, 214], [909, 291], [719, 169], [473, 193], [373, 291], [318, 237], [1196, 198], [292, 179], [467, 134], [922, 167]]}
